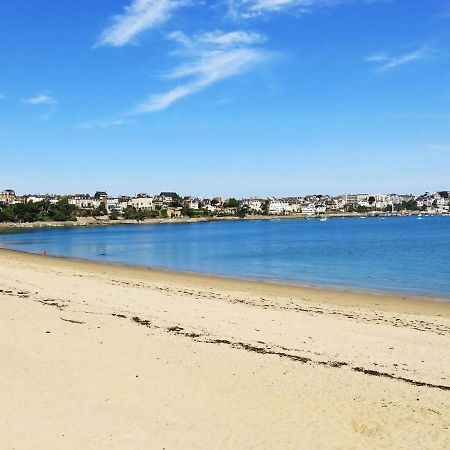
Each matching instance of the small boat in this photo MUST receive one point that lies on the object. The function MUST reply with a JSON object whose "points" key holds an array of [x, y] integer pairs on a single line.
{"points": [[323, 219], [419, 217]]}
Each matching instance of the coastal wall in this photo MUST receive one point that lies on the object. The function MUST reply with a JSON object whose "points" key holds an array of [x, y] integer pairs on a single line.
{"points": [[91, 221]]}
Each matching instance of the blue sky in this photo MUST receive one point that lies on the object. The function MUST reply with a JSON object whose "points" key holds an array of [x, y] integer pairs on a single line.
{"points": [[226, 97]]}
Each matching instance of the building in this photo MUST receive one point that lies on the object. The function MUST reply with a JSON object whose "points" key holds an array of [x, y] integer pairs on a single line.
{"points": [[82, 201], [320, 208], [36, 198], [8, 196], [191, 203], [173, 213], [142, 202], [308, 209], [279, 207], [112, 205], [101, 196], [357, 199], [169, 197], [254, 205]]}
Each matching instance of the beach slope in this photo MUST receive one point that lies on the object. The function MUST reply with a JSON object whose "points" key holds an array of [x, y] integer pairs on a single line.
{"points": [[98, 356]]}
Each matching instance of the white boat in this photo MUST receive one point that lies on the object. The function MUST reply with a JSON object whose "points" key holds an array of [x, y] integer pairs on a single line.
{"points": [[323, 219]]}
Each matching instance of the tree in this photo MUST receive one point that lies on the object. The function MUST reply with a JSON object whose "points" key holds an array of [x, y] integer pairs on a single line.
{"points": [[100, 211], [187, 212], [141, 216], [6, 214], [371, 200], [243, 211], [129, 213], [114, 215], [231, 203], [361, 209], [61, 211]]}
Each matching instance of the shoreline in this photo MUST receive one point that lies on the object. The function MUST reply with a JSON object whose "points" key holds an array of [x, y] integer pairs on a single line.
{"points": [[392, 302], [92, 222]]}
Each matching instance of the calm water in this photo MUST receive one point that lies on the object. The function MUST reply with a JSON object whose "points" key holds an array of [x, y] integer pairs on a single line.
{"points": [[396, 254]]}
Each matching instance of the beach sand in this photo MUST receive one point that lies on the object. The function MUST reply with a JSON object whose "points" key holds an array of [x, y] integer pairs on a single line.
{"points": [[98, 356]]}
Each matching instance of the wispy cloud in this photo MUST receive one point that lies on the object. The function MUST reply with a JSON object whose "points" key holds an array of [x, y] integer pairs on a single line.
{"points": [[217, 38], [439, 147], [2, 96], [42, 99], [445, 14], [212, 57], [253, 8], [139, 16], [387, 62], [103, 124]]}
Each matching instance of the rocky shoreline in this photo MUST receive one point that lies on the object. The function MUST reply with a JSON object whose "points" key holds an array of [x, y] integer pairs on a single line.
{"points": [[104, 221]]}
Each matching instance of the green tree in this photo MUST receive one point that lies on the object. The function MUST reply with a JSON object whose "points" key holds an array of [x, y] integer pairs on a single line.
{"points": [[100, 211], [114, 215], [129, 213], [61, 211], [243, 211], [7, 214], [231, 203]]}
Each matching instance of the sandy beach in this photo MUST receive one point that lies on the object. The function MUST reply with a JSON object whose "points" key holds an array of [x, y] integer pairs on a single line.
{"points": [[98, 356]]}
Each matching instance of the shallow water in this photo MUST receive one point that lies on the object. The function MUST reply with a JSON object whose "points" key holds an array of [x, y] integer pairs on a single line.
{"points": [[398, 254]]}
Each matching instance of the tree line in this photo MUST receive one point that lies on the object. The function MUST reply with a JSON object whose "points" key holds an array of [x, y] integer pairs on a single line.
{"points": [[61, 211]]}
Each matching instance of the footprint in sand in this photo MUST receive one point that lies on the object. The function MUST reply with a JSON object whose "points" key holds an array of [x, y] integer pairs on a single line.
{"points": [[366, 427]]}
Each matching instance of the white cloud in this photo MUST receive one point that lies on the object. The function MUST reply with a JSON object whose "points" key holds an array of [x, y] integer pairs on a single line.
{"points": [[42, 99], [440, 147], [139, 16], [252, 8], [209, 69], [212, 58], [231, 38], [216, 39], [379, 57], [391, 62], [103, 124]]}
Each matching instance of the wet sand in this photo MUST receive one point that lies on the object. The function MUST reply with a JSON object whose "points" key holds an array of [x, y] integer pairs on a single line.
{"points": [[105, 356]]}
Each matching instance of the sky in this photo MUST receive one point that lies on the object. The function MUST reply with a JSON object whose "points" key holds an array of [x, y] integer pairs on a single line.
{"points": [[225, 97]]}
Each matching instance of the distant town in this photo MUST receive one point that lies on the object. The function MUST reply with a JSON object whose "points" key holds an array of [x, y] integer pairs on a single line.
{"points": [[170, 205]]}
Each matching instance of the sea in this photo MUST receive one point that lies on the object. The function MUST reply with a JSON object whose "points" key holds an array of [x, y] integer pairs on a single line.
{"points": [[401, 255]]}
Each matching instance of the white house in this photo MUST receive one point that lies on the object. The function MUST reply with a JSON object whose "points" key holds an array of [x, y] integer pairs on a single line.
{"points": [[8, 196], [320, 209], [253, 205], [279, 207], [145, 203], [112, 204], [308, 209], [83, 201]]}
